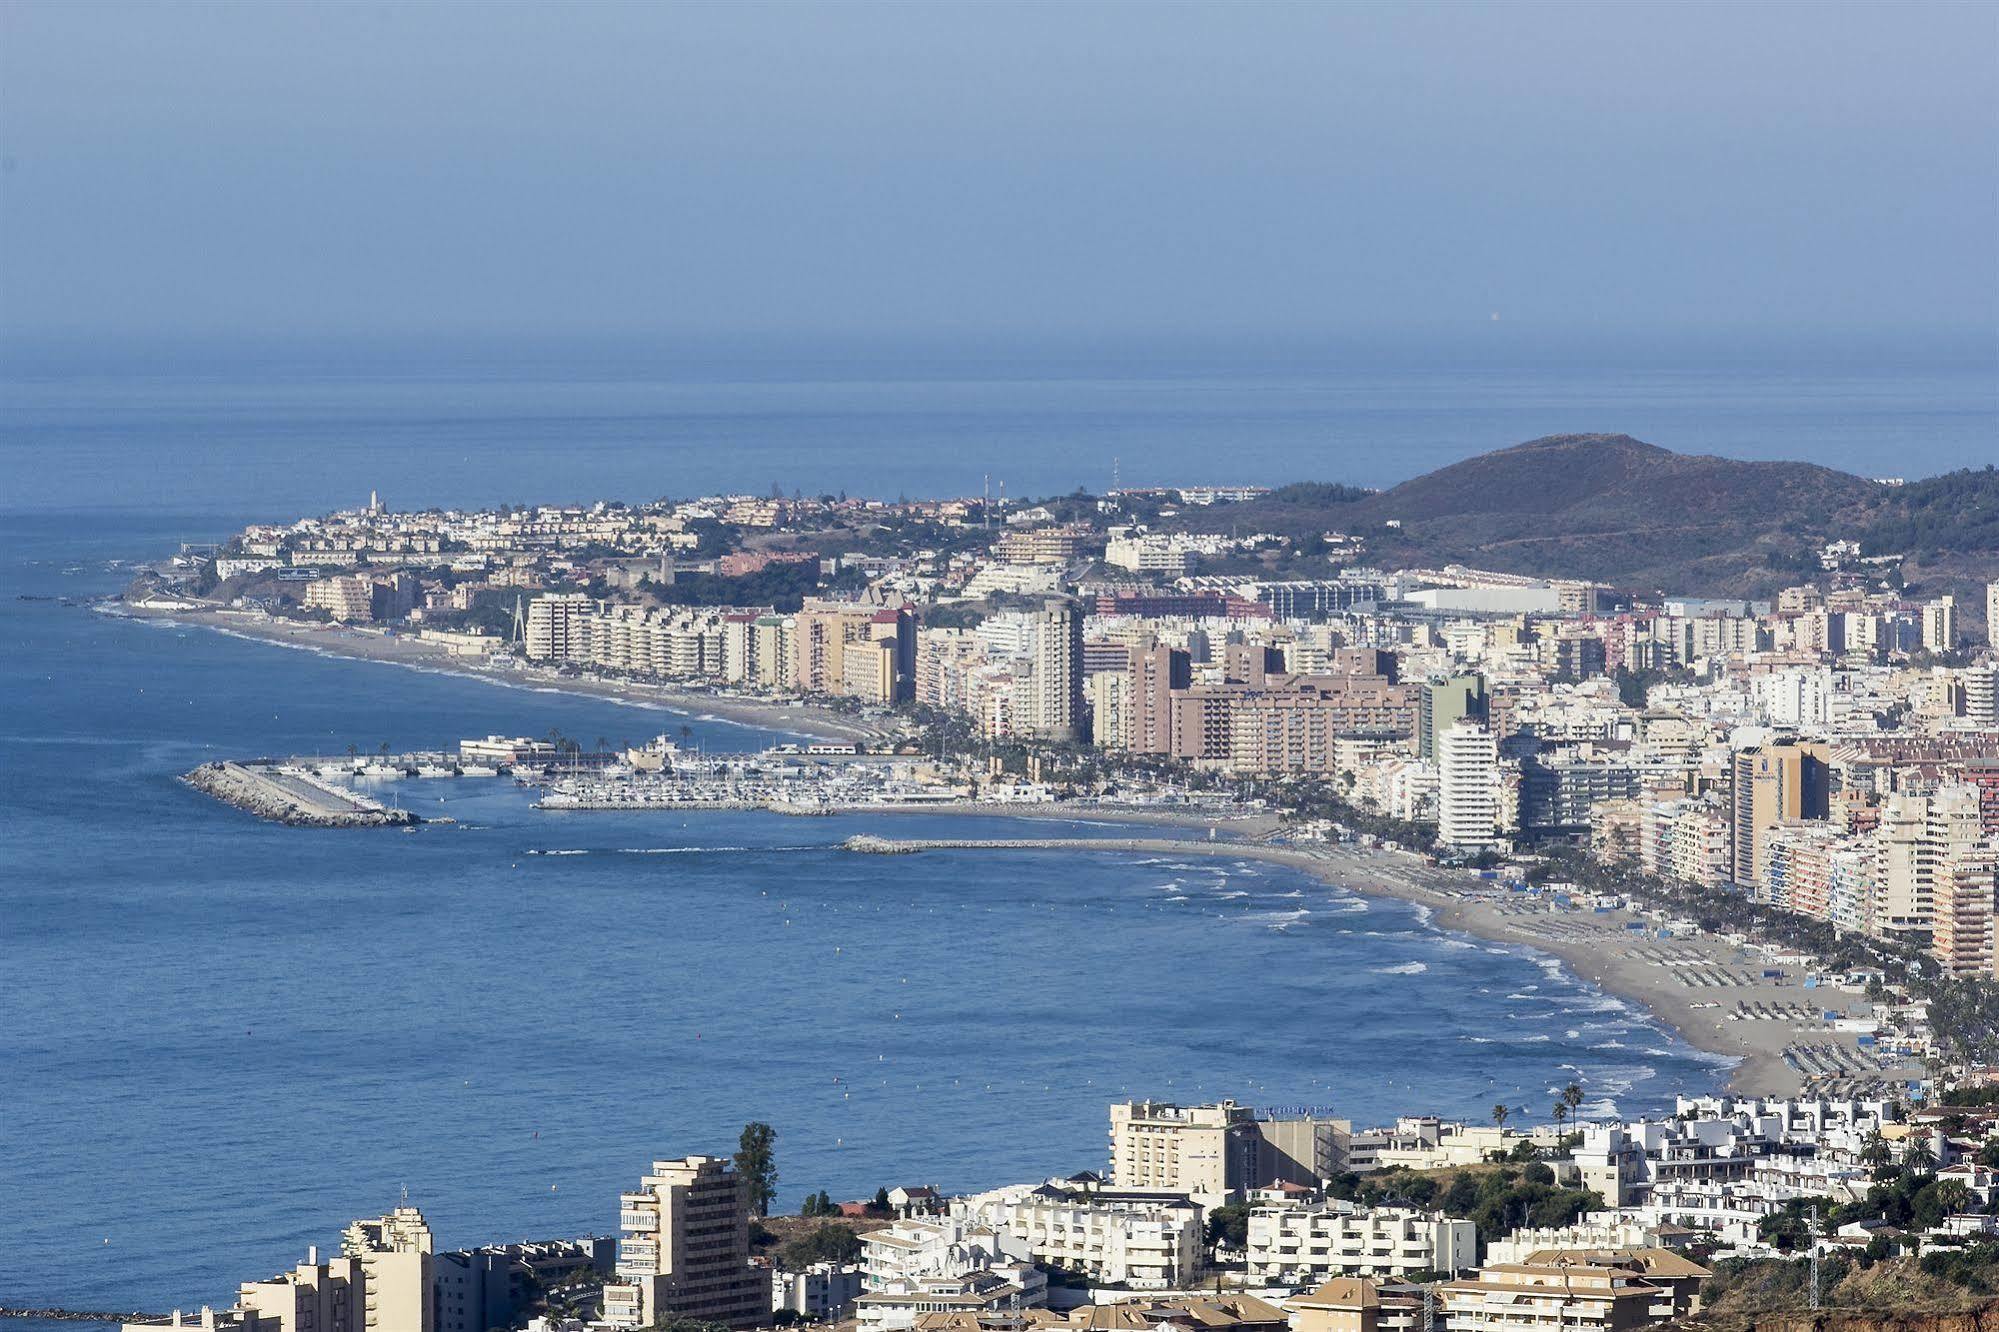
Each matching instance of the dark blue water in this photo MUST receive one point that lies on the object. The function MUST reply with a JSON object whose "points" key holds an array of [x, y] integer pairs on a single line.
{"points": [[226, 1038], [222, 1040], [275, 447]]}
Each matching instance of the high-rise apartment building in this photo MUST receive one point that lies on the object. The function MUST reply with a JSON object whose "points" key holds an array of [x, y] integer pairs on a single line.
{"points": [[393, 1253], [1208, 1152], [551, 633], [381, 1282], [1157, 672], [1775, 782], [1467, 786], [1441, 704], [1961, 928], [1992, 614], [1055, 707], [685, 1251], [1940, 625]]}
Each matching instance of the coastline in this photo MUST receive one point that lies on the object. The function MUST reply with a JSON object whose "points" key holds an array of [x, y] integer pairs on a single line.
{"points": [[806, 720], [1597, 948]]}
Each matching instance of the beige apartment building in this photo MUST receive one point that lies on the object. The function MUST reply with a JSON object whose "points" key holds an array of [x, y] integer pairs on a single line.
{"points": [[1574, 1291], [349, 598], [1961, 927], [381, 1282], [685, 1250], [1918, 839], [1207, 1152], [394, 1256], [1355, 1304]]}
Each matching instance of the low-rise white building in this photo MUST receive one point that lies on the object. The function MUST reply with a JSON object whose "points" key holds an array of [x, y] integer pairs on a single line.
{"points": [[1295, 1245], [1147, 1241], [821, 1291]]}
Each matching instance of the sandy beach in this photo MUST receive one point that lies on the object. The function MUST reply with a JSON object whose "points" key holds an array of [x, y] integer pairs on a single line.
{"points": [[806, 720], [1712, 993]]}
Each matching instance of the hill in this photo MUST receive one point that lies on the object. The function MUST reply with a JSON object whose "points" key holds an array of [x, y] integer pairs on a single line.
{"points": [[1616, 509]]}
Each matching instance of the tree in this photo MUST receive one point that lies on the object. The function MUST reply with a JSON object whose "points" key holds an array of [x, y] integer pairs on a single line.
{"points": [[1561, 1113], [1499, 1114], [828, 1244], [1229, 1225], [1572, 1095], [756, 1162], [1919, 1158]]}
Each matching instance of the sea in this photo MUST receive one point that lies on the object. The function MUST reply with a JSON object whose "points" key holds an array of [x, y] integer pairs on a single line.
{"points": [[222, 1039]]}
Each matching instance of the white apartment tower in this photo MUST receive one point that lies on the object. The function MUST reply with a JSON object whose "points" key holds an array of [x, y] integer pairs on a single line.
{"points": [[685, 1251], [552, 623], [1467, 786], [1940, 625]]}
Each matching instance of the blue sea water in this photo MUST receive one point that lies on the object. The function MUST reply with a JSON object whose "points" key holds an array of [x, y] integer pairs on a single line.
{"points": [[286, 442], [223, 1039]]}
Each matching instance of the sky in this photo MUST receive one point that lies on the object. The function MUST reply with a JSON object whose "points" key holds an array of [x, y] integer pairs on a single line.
{"points": [[1004, 171]]}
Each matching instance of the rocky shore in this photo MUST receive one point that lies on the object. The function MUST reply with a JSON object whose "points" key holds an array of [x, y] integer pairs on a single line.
{"points": [[287, 799]]}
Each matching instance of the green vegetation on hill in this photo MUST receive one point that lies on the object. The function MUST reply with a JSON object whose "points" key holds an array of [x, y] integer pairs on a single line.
{"points": [[784, 586], [1618, 510], [1956, 513]]}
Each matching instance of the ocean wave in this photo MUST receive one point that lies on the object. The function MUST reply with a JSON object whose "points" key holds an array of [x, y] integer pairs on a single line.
{"points": [[687, 850], [1459, 943], [1536, 1040], [1602, 1003], [1403, 969]]}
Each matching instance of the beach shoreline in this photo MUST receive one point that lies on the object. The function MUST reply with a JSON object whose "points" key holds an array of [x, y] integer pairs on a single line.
{"points": [[1606, 954], [806, 720], [1601, 952]]}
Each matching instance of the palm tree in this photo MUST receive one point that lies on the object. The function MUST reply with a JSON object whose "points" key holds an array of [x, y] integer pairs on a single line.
{"points": [[1919, 1158], [1572, 1095], [1561, 1113], [1499, 1114]]}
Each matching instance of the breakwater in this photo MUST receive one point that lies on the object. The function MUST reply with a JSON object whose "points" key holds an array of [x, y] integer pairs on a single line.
{"points": [[871, 845], [292, 797], [82, 1316]]}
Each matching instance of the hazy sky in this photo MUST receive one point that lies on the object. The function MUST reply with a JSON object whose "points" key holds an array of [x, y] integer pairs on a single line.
{"points": [[1050, 168]]}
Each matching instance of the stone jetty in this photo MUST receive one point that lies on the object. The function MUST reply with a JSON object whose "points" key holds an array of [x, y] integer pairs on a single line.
{"points": [[292, 798]]}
